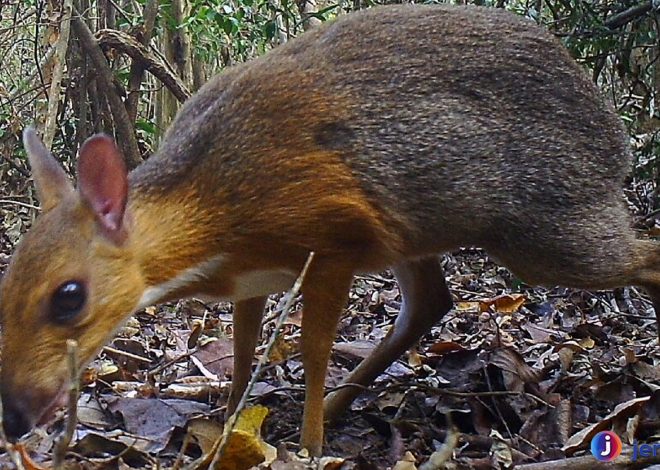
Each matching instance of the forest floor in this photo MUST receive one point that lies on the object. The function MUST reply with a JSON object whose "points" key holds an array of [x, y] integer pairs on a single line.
{"points": [[511, 375]]}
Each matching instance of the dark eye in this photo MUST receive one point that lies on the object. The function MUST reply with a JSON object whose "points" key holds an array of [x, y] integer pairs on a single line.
{"points": [[67, 301]]}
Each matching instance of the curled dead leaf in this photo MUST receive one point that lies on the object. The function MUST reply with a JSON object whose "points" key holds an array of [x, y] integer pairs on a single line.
{"points": [[506, 303], [582, 439], [444, 347]]}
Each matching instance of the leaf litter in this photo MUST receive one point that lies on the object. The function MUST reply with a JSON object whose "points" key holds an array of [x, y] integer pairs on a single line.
{"points": [[512, 375]]}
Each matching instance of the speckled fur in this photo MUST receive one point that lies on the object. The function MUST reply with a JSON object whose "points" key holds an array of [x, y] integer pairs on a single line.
{"points": [[463, 126]]}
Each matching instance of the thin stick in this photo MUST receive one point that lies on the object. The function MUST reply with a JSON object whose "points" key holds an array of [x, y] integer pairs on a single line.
{"points": [[587, 462], [72, 413], [229, 427], [112, 350], [171, 362], [19, 203], [440, 457]]}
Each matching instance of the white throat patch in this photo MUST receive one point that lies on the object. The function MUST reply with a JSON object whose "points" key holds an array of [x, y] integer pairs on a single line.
{"points": [[197, 273]]}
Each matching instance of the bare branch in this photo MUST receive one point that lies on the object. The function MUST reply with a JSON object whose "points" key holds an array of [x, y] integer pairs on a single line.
{"points": [[137, 68], [621, 19], [110, 38], [124, 128], [58, 71]]}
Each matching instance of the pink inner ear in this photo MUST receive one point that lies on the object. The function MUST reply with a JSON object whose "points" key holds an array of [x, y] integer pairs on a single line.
{"points": [[103, 180], [108, 216]]}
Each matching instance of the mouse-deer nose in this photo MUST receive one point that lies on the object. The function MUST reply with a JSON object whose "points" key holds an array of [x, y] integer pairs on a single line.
{"points": [[15, 421]]}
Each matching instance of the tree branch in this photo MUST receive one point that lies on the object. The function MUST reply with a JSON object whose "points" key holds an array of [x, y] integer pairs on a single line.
{"points": [[124, 128], [58, 71], [621, 19], [110, 38], [137, 69]]}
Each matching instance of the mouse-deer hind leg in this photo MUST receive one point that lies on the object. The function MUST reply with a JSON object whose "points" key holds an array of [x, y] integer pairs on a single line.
{"points": [[654, 293], [426, 299]]}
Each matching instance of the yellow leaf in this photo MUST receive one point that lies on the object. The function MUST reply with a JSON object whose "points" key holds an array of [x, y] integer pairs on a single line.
{"points": [[468, 307], [281, 349], [587, 343], [245, 448]]}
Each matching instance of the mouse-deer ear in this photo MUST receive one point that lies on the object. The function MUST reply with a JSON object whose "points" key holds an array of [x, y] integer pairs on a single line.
{"points": [[50, 179], [103, 182]]}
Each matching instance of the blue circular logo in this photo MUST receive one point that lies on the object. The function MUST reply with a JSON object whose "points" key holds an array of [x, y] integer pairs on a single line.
{"points": [[606, 446]]}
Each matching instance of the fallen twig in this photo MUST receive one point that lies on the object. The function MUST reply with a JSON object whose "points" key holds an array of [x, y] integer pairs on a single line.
{"points": [[443, 455], [220, 445], [63, 442], [588, 462], [119, 352], [19, 203]]}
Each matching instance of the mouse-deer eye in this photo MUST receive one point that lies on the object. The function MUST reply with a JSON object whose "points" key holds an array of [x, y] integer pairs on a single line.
{"points": [[67, 301]]}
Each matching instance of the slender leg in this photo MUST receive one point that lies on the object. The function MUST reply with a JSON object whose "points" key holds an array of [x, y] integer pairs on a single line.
{"points": [[654, 292], [426, 299], [325, 292], [247, 326]]}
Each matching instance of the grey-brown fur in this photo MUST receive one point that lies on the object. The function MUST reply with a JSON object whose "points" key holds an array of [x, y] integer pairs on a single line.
{"points": [[472, 124]]}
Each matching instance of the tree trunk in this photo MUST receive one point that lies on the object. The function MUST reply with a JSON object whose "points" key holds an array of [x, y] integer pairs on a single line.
{"points": [[176, 45]]}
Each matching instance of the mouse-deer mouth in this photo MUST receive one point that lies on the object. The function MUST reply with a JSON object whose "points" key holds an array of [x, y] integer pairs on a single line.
{"points": [[58, 401], [28, 409]]}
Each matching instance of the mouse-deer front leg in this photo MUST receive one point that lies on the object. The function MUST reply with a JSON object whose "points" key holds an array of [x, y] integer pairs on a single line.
{"points": [[247, 326], [325, 292]]}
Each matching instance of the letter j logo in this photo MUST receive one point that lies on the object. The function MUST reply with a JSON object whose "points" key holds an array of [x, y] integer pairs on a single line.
{"points": [[606, 446]]}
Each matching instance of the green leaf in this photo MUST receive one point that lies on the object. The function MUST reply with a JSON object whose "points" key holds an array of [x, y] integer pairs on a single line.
{"points": [[270, 29], [145, 126]]}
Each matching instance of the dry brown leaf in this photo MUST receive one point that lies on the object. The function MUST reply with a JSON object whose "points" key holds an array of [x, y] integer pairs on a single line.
{"points": [[506, 303], [282, 349], [500, 452], [331, 463], [414, 359], [197, 329], [512, 361], [444, 347], [566, 356], [218, 357], [468, 307], [151, 311], [26, 460], [573, 345], [539, 334], [294, 318], [587, 343], [206, 432], [582, 439]]}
